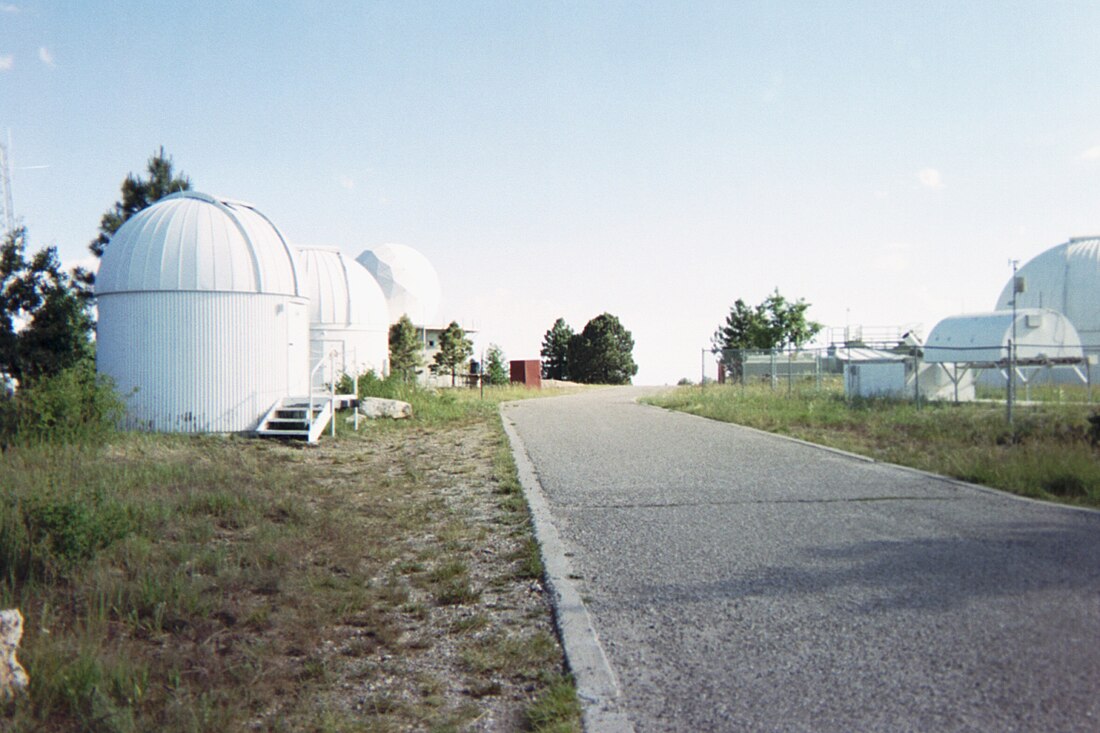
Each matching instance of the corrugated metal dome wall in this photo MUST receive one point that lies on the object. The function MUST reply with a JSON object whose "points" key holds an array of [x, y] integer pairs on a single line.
{"points": [[1066, 278], [347, 311], [202, 324]]}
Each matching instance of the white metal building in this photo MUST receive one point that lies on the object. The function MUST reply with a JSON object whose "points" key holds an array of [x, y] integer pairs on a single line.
{"points": [[1042, 334], [1045, 341], [409, 282], [203, 322], [347, 314]]}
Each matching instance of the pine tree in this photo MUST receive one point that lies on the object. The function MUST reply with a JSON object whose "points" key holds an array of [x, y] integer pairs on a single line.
{"points": [[602, 353], [555, 351], [494, 366], [454, 350], [406, 349]]}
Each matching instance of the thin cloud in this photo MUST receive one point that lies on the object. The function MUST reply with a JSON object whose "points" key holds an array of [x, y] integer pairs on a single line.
{"points": [[1091, 154], [893, 258], [46, 57], [9, 8], [7, 63], [930, 178], [346, 182]]}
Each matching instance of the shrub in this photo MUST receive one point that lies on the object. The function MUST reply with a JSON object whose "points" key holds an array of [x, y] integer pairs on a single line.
{"points": [[76, 405]]}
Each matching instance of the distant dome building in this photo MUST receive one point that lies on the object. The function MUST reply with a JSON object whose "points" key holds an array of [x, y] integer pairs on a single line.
{"points": [[408, 281], [1067, 279], [347, 313], [203, 322]]}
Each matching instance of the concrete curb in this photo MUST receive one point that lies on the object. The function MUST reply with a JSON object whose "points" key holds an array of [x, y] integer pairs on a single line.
{"points": [[597, 685]]}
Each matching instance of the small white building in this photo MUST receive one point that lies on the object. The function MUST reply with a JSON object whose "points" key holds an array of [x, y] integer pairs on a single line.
{"points": [[203, 321], [879, 373], [348, 315]]}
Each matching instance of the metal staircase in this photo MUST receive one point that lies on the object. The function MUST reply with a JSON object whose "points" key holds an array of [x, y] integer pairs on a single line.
{"points": [[301, 418]]}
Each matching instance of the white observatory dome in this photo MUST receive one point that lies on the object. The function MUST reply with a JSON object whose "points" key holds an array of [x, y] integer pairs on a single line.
{"points": [[347, 312], [407, 279], [202, 322], [1067, 279], [191, 241]]}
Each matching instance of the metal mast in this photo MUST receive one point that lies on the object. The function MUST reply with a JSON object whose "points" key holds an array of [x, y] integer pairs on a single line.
{"points": [[5, 185]]}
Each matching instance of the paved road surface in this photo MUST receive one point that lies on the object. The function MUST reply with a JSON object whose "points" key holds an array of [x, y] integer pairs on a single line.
{"points": [[740, 581]]}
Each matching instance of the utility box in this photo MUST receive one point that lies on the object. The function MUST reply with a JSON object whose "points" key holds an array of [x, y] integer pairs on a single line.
{"points": [[527, 372]]}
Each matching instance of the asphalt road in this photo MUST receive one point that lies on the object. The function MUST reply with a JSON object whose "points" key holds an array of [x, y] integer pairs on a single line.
{"points": [[742, 581]]}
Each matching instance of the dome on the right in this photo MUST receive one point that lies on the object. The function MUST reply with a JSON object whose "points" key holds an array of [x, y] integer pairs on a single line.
{"points": [[407, 279], [1066, 278]]}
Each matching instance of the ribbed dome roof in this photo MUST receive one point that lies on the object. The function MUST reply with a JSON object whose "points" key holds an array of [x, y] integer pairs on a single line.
{"points": [[1066, 278], [190, 241], [407, 279], [341, 292]]}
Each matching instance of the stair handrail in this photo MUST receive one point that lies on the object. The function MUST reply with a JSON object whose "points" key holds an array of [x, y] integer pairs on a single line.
{"points": [[313, 372]]}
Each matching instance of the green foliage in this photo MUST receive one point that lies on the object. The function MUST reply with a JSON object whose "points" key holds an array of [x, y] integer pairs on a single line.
{"points": [[56, 328], [495, 371], [454, 350], [602, 353], [555, 351], [139, 193], [74, 406], [406, 349], [774, 323]]}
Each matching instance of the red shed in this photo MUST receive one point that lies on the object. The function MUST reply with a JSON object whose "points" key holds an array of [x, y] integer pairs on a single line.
{"points": [[527, 372]]}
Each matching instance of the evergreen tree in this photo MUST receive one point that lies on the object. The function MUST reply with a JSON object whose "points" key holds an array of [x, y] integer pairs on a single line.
{"points": [[775, 323], [137, 194], [555, 351], [494, 366], [602, 353], [44, 324], [454, 350], [406, 349]]}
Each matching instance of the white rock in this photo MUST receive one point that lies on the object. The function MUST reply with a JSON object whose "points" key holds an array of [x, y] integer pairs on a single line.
{"points": [[13, 678], [376, 407]]}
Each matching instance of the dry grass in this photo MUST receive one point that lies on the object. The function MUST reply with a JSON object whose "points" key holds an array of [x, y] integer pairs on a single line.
{"points": [[382, 581]]}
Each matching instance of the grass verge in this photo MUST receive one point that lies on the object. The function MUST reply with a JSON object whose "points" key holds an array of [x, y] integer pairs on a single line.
{"points": [[382, 581], [1050, 452]]}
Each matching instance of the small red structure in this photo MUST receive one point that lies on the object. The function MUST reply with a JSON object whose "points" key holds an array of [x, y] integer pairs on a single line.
{"points": [[527, 372]]}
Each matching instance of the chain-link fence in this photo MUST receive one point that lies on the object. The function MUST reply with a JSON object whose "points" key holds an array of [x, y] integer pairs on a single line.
{"points": [[904, 370]]}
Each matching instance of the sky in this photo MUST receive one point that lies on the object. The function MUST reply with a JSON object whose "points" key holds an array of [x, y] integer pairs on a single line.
{"points": [[884, 161]]}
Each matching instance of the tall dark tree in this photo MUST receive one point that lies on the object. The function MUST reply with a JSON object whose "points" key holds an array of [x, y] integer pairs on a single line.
{"points": [[454, 350], [44, 324], [555, 351], [406, 349], [139, 193], [602, 353]]}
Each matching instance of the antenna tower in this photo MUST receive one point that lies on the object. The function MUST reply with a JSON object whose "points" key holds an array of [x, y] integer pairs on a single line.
{"points": [[5, 187]]}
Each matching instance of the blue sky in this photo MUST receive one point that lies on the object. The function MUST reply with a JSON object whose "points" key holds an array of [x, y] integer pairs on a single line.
{"points": [[882, 160]]}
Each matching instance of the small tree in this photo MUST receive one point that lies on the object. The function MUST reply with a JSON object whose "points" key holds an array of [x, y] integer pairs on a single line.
{"points": [[555, 351], [37, 295], [454, 349], [602, 353], [494, 366], [406, 349], [775, 323]]}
